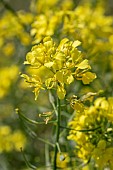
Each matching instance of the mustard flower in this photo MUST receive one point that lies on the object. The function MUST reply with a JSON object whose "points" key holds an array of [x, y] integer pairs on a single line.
{"points": [[7, 76], [92, 131], [10, 140], [54, 66]]}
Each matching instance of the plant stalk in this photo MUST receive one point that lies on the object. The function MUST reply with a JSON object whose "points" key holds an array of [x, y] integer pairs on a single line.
{"points": [[57, 136]]}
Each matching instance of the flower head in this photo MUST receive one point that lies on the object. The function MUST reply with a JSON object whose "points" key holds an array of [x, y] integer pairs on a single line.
{"points": [[93, 132], [54, 66]]}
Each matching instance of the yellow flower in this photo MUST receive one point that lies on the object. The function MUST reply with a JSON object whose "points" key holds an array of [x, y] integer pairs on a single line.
{"points": [[9, 49], [10, 141], [62, 159], [19, 140], [93, 132], [53, 66], [7, 76], [8, 31]]}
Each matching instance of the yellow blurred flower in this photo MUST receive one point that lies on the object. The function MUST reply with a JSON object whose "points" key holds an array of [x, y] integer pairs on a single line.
{"points": [[93, 132], [9, 49], [9, 140], [7, 76]]}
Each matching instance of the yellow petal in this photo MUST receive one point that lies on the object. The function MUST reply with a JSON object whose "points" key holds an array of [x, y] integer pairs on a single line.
{"points": [[83, 65], [76, 43], [61, 92], [88, 77]]}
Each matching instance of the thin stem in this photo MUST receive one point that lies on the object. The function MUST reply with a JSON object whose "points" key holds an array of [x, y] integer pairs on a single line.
{"points": [[82, 130], [29, 165], [45, 141], [47, 157], [35, 136], [57, 135], [33, 121], [58, 148], [51, 99]]}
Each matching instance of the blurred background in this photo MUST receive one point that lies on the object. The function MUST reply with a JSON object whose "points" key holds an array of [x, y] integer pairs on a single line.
{"points": [[24, 5], [15, 42]]}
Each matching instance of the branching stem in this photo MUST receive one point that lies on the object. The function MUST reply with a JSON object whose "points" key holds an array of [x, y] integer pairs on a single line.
{"points": [[81, 130], [33, 121]]}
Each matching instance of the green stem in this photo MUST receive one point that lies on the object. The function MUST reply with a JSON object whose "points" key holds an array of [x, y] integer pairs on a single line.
{"points": [[33, 135], [28, 164], [33, 121], [51, 99], [47, 156], [57, 136], [82, 130]]}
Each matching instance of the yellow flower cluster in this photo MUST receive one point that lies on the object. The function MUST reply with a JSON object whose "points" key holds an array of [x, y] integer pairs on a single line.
{"points": [[92, 130], [50, 18], [10, 141], [12, 29], [81, 24], [7, 76], [8, 49], [76, 24], [44, 6], [62, 160], [95, 34], [54, 66], [46, 25]]}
